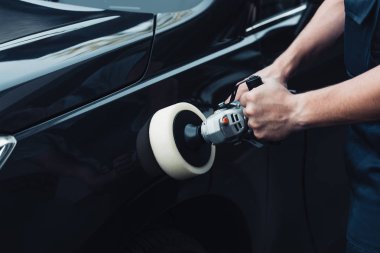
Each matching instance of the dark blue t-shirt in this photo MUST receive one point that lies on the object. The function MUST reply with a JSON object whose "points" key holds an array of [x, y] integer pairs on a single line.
{"points": [[362, 42]]}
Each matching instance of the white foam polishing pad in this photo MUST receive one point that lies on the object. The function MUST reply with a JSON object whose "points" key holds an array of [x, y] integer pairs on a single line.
{"points": [[165, 135]]}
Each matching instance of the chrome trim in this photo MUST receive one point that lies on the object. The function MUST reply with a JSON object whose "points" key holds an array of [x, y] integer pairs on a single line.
{"points": [[131, 89], [278, 17], [7, 144]]}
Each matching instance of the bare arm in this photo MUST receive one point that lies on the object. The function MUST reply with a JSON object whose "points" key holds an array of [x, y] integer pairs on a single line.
{"points": [[323, 30], [352, 101], [273, 112]]}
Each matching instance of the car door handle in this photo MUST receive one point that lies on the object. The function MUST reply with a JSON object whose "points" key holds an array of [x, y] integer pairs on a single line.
{"points": [[7, 144]]}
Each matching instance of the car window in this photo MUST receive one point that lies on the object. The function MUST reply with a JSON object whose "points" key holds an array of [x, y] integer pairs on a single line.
{"points": [[149, 6], [269, 8]]}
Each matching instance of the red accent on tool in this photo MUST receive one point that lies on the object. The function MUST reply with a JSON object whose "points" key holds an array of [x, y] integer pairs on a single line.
{"points": [[225, 120]]}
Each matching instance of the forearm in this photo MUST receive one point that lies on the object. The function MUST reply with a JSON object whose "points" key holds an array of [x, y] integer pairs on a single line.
{"points": [[323, 30], [355, 100]]}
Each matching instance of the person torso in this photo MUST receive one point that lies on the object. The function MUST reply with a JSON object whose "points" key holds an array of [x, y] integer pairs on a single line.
{"points": [[362, 52]]}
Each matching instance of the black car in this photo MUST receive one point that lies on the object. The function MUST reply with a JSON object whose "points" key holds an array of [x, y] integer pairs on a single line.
{"points": [[80, 78]]}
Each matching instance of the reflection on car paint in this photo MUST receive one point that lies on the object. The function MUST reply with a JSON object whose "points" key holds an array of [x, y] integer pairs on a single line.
{"points": [[170, 20], [61, 6], [45, 64], [53, 32], [52, 71]]}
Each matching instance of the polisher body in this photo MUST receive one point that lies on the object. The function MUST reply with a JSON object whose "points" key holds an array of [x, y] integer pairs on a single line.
{"points": [[227, 125]]}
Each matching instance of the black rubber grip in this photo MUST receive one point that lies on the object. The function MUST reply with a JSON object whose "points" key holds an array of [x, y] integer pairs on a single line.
{"points": [[253, 82]]}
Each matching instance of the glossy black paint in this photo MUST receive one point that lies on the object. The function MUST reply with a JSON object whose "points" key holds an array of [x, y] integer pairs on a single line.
{"points": [[77, 57], [75, 183], [21, 18]]}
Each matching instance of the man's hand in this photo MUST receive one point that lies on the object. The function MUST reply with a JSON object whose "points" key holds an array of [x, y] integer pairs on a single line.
{"points": [[271, 110], [274, 71]]}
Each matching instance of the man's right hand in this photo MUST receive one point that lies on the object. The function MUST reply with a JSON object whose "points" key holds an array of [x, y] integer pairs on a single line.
{"points": [[273, 71]]}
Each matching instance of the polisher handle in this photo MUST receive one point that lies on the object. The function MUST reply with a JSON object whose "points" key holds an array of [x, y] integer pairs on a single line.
{"points": [[253, 82]]}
